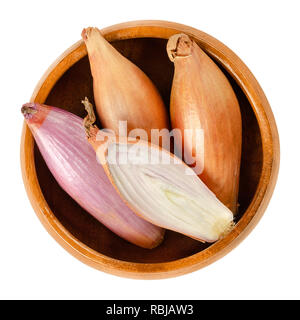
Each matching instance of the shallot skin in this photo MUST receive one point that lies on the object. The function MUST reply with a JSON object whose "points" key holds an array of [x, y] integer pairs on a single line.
{"points": [[202, 98], [60, 137]]}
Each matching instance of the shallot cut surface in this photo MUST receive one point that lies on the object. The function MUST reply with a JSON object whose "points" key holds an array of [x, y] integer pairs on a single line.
{"points": [[168, 194]]}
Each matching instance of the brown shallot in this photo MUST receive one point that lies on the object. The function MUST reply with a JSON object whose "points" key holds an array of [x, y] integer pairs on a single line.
{"points": [[122, 91], [203, 99]]}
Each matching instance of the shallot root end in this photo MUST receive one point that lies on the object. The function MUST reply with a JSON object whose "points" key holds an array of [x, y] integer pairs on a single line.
{"points": [[227, 230]]}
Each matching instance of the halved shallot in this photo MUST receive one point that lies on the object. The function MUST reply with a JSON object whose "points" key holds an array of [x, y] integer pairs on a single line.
{"points": [[158, 186]]}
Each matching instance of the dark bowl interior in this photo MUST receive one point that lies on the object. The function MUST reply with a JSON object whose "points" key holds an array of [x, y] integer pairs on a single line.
{"points": [[150, 55]]}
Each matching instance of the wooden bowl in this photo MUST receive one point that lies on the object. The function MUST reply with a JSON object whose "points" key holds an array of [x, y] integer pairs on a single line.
{"points": [[69, 80]]}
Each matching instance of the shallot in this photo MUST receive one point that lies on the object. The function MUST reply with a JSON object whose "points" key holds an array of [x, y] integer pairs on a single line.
{"points": [[203, 99], [61, 140], [122, 91], [158, 186]]}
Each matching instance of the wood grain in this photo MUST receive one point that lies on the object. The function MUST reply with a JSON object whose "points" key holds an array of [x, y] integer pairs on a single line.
{"points": [[68, 80]]}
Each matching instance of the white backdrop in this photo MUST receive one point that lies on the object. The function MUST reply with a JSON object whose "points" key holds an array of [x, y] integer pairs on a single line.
{"points": [[265, 35]]}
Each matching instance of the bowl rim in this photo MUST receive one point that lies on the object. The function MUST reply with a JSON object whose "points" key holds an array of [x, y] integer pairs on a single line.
{"points": [[270, 147]]}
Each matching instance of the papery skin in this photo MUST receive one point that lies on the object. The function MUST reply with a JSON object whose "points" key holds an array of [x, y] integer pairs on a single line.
{"points": [[61, 140], [122, 91], [202, 98]]}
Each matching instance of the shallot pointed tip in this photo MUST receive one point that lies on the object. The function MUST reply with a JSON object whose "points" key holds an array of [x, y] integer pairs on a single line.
{"points": [[28, 109], [89, 120], [179, 45], [35, 113], [84, 34], [88, 32]]}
